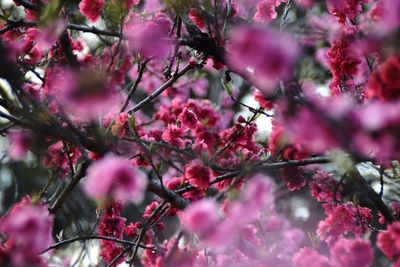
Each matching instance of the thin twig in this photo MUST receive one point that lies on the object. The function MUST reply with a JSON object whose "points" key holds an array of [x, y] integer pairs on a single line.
{"points": [[89, 237], [161, 89]]}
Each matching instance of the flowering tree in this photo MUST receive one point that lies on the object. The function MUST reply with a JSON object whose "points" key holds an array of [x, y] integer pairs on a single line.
{"points": [[133, 133]]}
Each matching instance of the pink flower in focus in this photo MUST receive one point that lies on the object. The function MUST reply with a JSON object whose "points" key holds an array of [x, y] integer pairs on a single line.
{"points": [[264, 57], [111, 224], [173, 136], [91, 9], [324, 187], [260, 98], [114, 176], [188, 118], [200, 217], [198, 175], [118, 128], [311, 131]]}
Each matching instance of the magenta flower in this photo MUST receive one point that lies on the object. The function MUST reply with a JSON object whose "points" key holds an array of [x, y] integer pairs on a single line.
{"points": [[18, 144], [28, 230], [307, 257], [352, 252], [201, 217], [264, 57], [149, 37], [114, 176], [388, 241], [91, 9], [197, 174], [266, 10]]}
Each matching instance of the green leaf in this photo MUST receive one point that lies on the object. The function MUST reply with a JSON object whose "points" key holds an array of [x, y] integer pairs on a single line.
{"points": [[52, 11]]}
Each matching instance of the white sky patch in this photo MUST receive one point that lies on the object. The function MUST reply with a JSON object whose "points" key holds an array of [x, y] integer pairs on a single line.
{"points": [[264, 124], [32, 76], [323, 90], [91, 39], [7, 3], [300, 208]]}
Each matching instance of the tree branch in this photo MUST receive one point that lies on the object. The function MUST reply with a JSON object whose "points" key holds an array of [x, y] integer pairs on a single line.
{"points": [[67, 190], [90, 237], [161, 89], [168, 195]]}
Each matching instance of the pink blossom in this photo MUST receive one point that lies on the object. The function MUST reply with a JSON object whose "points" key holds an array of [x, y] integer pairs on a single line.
{"points": [[345, 9], [258, 193], [173, 135], [262, 56], [324, 188], [91, 9], [260, 98], [188, 118], [28, 229], [266, 10], [200, 217], [198, 20], [18, 144], [342, 219], [114, 176], [85, 95], [149, 37], [388, 241], [307, 257], [198, 175], [355, 252], [111, 225], [387, 15], [121, 122]]}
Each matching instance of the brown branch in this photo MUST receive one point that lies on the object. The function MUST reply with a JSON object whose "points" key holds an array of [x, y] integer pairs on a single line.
{"points": [[141, 68], [91, 237], [367, 190], [168, 195], [12, 24], [161, 89], [67, 190]]}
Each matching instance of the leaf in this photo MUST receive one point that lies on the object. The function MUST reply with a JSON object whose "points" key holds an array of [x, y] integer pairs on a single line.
{"points": [[52, 11]]}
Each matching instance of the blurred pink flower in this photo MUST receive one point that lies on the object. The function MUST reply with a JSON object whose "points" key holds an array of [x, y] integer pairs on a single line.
{"points": [[18, 144], [149, 37], [307, 257], [200, 217], [262, 56], [28, 229], [266, 10], [114, 176], [355, 252], [85, 95]]}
